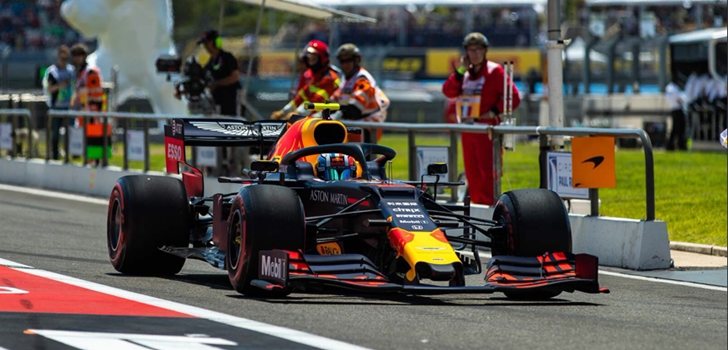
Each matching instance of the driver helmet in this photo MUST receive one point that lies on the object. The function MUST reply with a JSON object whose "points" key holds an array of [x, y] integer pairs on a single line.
{"points": [[335, 166]]}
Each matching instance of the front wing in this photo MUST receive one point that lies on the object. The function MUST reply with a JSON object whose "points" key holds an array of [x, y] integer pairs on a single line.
{"points": [[552, 272]]}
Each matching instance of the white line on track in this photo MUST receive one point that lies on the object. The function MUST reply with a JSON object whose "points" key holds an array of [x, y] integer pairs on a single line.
{"points": [[659, 280], [104, 202], [293, 335], [54, 194]]}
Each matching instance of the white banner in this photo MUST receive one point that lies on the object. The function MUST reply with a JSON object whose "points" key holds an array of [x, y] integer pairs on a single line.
{"points": [[431, 154], [6, 140], [135, 145], [206, 156], [559, 176], [75, 141]]}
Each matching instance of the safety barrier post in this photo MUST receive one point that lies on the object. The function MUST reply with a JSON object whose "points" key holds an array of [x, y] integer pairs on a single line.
{"points": [[66, 138], [145, 128], [105, 142], [125, 126], [452, 167], [497, 163], [412, 147], [49, 124], [85, 141], [14, 138]]}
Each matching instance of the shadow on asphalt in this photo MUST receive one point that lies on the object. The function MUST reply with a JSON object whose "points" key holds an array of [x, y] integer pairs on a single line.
{"points": [[395, 299], [328, 296], [214, 281]]}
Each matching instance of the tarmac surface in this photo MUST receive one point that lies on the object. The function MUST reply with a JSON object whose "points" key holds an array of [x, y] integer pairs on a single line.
{"points": [[679, 308]]}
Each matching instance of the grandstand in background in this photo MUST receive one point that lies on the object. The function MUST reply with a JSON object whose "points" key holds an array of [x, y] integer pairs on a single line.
{"points": [[30, 32], [418, 40]]}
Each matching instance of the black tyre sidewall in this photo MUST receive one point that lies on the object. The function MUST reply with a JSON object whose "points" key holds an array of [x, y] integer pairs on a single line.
{"points": [[154, 213], [535, 222], [272, 218]]}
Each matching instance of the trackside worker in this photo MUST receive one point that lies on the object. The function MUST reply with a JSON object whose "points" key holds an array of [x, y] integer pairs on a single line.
{"points": [[318, 83], [477, 86], [359, 96], [88, 94]]}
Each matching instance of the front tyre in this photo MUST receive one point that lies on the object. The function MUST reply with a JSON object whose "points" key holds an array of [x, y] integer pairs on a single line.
{"points": [[263, 217], [535, 222], [146, 213]]}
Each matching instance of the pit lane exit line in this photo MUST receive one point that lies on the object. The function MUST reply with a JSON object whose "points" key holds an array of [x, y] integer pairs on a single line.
{"points": [[238, 322]]}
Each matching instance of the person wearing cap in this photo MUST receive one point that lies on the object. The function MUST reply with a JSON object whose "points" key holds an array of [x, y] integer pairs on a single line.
{"points": [[317, 84], [477, 87], [88, 94], [358, 95], [223, 68]]}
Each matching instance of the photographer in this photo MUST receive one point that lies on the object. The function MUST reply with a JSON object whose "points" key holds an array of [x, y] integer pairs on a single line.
{"points": [[223, 67]]}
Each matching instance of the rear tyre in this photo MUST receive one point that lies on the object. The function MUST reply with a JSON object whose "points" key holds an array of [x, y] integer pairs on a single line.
{"points": [[535, 221], [263, 217], [146, 213]]}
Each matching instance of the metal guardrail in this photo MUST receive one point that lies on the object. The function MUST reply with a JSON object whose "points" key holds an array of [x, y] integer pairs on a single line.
{"points": [[541, 131], [412, 130], [124, 117]]}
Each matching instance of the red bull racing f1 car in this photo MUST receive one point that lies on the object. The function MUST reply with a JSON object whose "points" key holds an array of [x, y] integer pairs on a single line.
{"points": [[320, 213]]}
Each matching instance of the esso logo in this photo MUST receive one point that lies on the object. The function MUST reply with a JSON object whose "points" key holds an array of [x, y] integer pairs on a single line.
{"points": [[174, 152]]}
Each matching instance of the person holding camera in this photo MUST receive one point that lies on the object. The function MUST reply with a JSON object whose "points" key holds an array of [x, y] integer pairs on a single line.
{"points": [[477, 87], [223, 68]]}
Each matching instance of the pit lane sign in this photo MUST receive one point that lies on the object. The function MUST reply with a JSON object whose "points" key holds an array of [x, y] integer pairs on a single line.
{"points": [[559, 176]]}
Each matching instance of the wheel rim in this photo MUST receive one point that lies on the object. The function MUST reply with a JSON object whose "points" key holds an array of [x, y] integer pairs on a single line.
{"points": [[115, 229], [236, 239]]}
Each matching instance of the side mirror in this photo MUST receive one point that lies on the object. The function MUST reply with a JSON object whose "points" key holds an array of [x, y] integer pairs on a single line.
{"points": [[436, 169], [264, 165]]}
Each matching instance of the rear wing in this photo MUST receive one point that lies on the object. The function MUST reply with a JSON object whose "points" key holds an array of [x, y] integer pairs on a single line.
{"points": [[216, 132]]}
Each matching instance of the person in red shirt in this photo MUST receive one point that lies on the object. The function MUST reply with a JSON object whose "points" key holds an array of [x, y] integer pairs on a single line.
{"points": [[317, 84], [477, 87]]}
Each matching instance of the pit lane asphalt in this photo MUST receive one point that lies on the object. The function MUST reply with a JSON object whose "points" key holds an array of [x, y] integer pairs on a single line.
{"points": [[68, 237]]}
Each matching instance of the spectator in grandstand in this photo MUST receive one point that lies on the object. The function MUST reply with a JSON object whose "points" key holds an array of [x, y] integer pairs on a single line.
{"points": [[58, 89], [318, 83], [676, 99], [477, 86], [223, 67], [88, 93], [358, 94]]}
